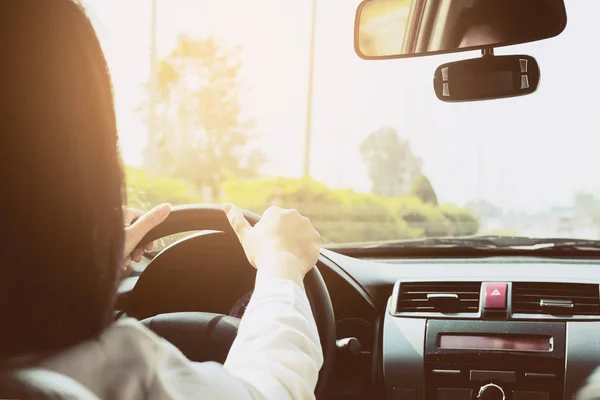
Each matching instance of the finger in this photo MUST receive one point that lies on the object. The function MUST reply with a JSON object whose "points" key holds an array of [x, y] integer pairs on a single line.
{"points": [[149, 246], [316, 234], [273, 210], [148, 221], [127, 262], [136, 213], [237, 220], [137, 254], [134, 216], [130, 214]]}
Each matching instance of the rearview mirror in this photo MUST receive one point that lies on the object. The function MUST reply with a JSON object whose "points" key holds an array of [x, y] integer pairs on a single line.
{"points": [[385, 29], [487, 77]]}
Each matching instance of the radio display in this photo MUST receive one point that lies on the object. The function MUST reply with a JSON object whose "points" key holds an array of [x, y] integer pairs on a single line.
{"points": [[486, 342]]}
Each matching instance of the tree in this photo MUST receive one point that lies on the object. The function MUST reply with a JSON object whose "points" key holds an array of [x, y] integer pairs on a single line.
{"points": [[421, 188], [391, 163], [203, 136]]}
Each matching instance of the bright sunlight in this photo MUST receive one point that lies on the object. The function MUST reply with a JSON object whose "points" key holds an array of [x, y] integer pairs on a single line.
{"points": [[387, 159]]}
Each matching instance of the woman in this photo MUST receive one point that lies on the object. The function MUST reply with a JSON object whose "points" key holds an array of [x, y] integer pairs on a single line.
{"points": [[63, 245]]}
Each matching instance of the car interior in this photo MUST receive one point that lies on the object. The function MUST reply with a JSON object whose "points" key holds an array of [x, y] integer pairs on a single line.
{"points": [[484, 317]]}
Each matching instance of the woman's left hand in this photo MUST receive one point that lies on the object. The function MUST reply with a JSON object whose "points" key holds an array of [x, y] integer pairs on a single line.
{"points": [[137, 225]]}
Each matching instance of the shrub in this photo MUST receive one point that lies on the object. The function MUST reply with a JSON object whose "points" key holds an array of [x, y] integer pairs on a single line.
{"points": [[339, 215], [421, 188], [145, 191], [344, 215], [463, 221], [418, 215]]}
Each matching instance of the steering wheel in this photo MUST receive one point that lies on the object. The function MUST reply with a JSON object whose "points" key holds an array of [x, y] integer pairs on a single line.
{"points": [[207, 336]]}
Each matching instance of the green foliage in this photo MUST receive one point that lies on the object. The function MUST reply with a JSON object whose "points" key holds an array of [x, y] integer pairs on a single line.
{"points": [[418, 215], [390, 161], [145, 191], [347, 216], [500, 232], [339, 215], [463, 221], [421, 188]]}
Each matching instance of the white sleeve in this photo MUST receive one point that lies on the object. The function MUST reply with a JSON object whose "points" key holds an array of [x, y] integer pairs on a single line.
{"points": [[277, 349], [276, 355], [591, 389]]}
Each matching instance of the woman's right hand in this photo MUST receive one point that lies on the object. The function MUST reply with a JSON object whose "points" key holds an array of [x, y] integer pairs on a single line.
{"points": [[283, 243]]}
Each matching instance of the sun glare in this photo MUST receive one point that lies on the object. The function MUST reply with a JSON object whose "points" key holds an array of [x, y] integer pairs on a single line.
{"points": [[268, 59]]}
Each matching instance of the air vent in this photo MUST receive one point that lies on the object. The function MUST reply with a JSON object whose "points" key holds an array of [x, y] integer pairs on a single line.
{"points": [[555, 298], [439, 297]]}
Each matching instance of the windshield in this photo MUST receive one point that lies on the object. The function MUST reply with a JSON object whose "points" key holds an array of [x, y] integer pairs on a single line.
{"points": [[223, 114]]}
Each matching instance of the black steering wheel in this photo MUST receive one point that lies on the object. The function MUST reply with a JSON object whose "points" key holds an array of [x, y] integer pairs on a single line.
{"points": [[206, 336]]}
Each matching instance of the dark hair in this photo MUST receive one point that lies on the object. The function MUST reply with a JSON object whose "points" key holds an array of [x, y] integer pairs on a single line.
{"points": [[61, 232]]}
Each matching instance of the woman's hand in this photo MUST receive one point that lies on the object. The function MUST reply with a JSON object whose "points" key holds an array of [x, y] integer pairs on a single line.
{"points": [[137, 225], [283, 243]]}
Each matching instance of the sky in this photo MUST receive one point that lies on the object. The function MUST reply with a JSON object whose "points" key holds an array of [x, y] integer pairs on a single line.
{"points": [[523, 154]]}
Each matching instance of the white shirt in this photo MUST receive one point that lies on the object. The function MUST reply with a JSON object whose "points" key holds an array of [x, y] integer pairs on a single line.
{"points": [[591, 388], [276, 355]]}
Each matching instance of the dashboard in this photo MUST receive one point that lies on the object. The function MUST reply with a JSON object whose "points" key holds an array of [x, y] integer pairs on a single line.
{"points": [[506, 328], [485, 328]]}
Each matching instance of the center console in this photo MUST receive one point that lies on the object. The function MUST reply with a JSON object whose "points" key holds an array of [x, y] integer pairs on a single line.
{"points": [[494, 360], [440, 345]]}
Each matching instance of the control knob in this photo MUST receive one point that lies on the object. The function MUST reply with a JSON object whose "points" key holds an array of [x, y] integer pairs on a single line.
{"points": [[491, 392]]}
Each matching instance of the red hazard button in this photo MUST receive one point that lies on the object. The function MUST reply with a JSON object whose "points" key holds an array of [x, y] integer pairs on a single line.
{"points": [[495, 296]]}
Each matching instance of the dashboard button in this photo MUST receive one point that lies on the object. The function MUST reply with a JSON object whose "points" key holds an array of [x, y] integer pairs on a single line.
{"points": [[454, 394], [405, 394], [500, 376], [446, 372], [495, 296], [491, 392], [539, 375], [526, 395]]}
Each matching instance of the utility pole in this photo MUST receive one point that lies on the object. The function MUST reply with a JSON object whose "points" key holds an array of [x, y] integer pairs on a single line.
{"points": [[479, 171], [150, 156], [309, 102], [339, 161]]}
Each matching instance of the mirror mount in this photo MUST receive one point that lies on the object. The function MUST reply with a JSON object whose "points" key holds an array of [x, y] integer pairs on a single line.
{"points": [[488, 51]]}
